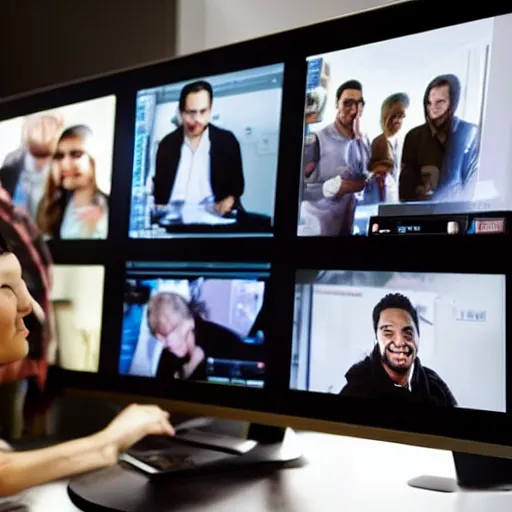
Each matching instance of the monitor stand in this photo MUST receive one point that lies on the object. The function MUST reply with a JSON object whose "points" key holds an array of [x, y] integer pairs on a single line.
{"points": [[473, 472]]}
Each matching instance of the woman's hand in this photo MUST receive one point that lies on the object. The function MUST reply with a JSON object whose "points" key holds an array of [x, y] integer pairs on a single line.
{"points": [[134, 423]]}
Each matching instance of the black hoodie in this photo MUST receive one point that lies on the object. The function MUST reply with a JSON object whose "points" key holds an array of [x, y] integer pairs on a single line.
{"points": [[456, 159], [368, 379]]}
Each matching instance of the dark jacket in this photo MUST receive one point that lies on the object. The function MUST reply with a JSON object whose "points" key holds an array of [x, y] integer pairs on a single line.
{"points": [[214, 339], [456, 159], [11, 170], [368, 379], [226, 173]]}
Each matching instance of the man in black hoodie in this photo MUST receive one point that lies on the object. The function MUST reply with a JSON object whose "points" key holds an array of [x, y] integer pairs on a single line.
{"points": [[393, 369], [440, 157]]}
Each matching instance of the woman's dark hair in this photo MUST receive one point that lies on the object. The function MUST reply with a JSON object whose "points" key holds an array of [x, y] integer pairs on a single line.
{"points": [[4, 246], [55, 198]]}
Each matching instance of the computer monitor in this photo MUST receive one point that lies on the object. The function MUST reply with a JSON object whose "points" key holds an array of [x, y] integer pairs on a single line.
{"points": [[200, 321], [57, 165], [205, 156], [407, 129], [168, 251]]}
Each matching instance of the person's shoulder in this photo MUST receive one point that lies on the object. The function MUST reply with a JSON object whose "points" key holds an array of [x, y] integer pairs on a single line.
{"points": [[359, 371], [221, 133], [434, 379], [417, 131], [470, 129], [172, 137]]}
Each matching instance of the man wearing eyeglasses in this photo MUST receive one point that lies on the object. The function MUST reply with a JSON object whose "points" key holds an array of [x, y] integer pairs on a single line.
{"points": [[335, 168], [199, 160]]}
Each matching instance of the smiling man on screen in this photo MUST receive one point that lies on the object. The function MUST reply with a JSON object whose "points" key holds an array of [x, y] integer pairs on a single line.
{"points": [[393, 370]]}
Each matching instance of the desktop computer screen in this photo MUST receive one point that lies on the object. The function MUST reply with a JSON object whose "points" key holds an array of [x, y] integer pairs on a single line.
{"points": [[195, 321], [412, 126], [407, 337], [56, 165], [76, 309], [205, 156]]}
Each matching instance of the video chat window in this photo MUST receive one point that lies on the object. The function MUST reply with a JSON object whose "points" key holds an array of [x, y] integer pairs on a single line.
{"points": [[56, 165], [432, 339], [195, 322], [415, 125], [205, 158], [76, 300]]}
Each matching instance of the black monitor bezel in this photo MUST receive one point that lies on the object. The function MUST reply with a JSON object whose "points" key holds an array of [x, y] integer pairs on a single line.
{"points": [[284, 251]]}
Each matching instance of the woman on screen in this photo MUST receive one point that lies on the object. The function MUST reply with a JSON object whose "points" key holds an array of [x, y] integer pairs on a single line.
{"points": [[73, 206], [26, 469]]}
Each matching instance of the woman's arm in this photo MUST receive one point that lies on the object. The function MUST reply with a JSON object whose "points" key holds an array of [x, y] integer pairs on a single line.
{"points": [[21, 470]]}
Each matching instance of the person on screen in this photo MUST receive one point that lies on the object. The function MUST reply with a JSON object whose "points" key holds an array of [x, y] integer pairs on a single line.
{"points": [[24, 171], [73, 206], [335, 167], [381, 186], [185, 338], [22, 470], [393, 370], [440, 157], [199, 162]]}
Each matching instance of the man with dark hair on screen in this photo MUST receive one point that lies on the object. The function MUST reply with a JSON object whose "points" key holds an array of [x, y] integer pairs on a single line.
{"points": [[199, 162], [440, 157], [335, 167], [393, 369]]}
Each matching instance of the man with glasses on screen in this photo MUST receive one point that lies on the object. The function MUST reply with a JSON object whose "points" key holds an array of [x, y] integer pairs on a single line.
{"points": [[199, 163], [335, 167], [393, 370]]}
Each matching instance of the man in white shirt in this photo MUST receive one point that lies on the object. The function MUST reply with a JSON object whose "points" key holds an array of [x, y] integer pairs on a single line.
{"points": [[199, 162]]}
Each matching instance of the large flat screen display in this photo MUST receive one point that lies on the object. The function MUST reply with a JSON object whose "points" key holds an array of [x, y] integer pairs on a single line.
{"points": [[205, 158], [427, 338], [195, 322], [412, 126], [57, 166]]}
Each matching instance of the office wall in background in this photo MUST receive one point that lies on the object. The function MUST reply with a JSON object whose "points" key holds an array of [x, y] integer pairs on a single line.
{"points": [[204, 24], [55, 41]]}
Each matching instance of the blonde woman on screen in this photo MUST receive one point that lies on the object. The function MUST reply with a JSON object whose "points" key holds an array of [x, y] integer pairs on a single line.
{"points": [[73, 206], [22, 470]]}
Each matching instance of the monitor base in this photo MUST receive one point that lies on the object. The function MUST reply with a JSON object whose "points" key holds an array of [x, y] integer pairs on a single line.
{"points": [[473, 472]]}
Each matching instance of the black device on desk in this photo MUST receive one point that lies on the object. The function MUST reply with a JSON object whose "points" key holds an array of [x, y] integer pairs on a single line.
{"points": [[189, 450]]}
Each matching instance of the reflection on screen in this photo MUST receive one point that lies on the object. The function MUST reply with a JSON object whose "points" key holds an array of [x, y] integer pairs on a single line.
{"points": [[436, 339], [195, 321], [76, 297], [206, 155], [56, 166], [408, 126]]}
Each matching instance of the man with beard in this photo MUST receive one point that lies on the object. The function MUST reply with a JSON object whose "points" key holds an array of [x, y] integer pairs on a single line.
{"points": [[335, 167], [440, 157], [393, 369], [199, 161]]}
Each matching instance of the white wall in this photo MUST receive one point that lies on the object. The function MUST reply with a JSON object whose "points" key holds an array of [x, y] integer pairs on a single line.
{"points": [[204, 24]]}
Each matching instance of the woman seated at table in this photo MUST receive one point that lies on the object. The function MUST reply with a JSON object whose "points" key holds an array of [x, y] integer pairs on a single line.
{"points": [[22, 470]]}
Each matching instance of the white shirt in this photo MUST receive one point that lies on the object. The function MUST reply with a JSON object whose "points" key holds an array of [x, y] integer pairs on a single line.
{"points": [[192, 183]]}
